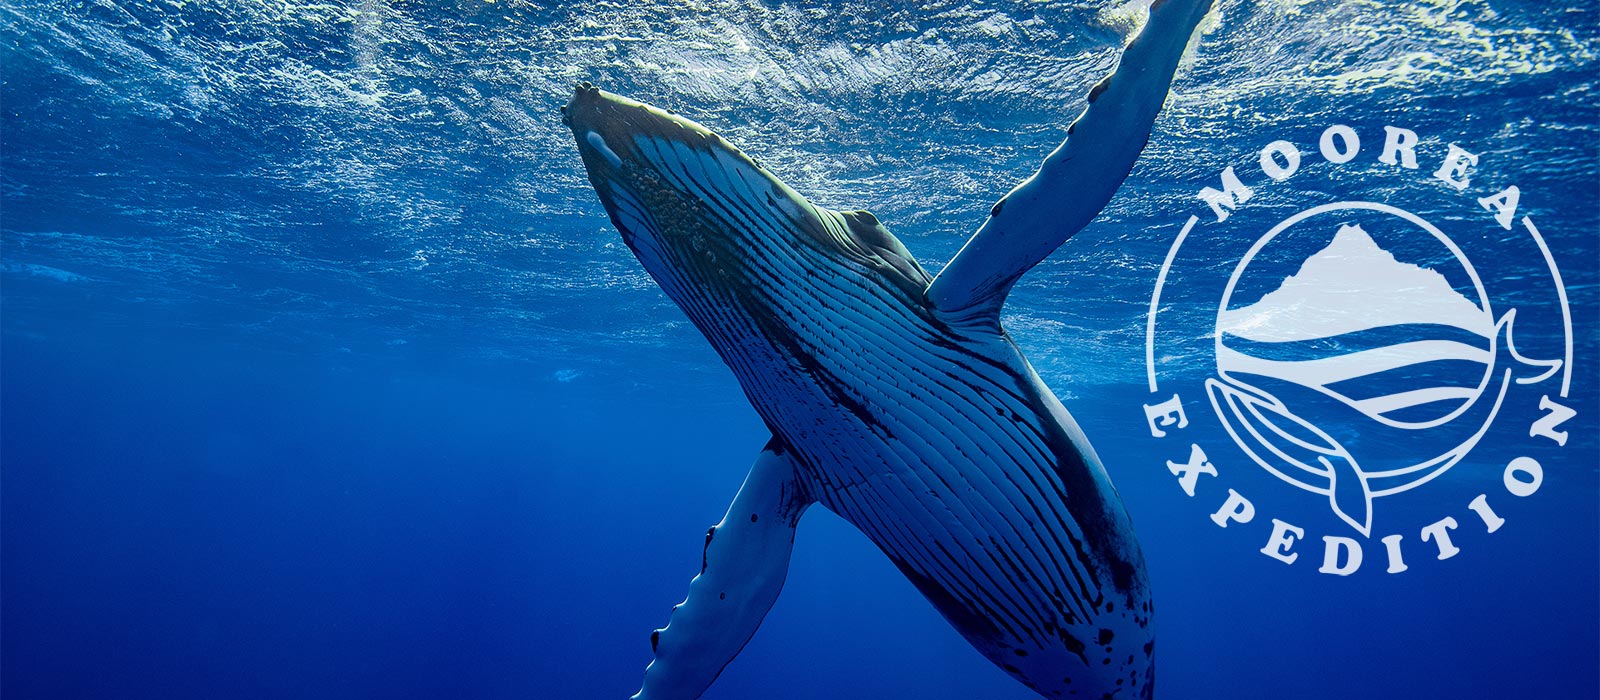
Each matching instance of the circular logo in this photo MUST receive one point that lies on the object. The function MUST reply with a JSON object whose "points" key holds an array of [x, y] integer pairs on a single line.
{"points": [[1353, 351]]}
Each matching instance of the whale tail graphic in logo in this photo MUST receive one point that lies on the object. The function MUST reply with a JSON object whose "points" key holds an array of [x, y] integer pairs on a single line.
{"points": [[1381, 352]]}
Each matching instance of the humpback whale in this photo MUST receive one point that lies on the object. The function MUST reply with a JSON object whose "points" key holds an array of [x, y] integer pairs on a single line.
{"points": [[895, 399]]}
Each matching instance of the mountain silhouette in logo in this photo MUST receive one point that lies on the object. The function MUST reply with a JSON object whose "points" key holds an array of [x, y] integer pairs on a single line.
{"points": [[1391, 339]]}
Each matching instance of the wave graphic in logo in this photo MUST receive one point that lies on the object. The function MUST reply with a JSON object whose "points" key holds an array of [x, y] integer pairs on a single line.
{"points": [[1378, 351]]}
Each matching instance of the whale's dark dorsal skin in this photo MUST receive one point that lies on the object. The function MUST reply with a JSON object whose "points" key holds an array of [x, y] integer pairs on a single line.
{"points": [[902, 407]]}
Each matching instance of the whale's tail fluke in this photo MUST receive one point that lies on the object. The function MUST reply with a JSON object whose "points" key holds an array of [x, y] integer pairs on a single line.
{"points": [[1530, 371]]}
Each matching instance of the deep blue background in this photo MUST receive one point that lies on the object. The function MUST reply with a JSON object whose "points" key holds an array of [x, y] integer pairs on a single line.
{"points": [[322, 374]]}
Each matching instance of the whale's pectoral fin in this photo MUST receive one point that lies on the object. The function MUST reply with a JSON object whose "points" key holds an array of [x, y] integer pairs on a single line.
{"points": [[1078, 179], [746, 559]]}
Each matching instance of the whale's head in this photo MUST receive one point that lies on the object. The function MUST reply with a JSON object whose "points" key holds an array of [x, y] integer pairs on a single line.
{"points": [[721, 235]]}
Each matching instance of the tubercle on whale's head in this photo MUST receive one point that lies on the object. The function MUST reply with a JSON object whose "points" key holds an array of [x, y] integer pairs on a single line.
{"points": [[704, 218], [671, 186]]}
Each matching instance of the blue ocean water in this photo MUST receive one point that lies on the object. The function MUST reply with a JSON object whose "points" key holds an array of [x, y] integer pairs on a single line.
{"points": [[323, 375]]}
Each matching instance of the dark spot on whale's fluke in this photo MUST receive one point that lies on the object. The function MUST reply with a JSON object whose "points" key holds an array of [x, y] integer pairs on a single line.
{"points": [[655, 640], [995, 210], [753, 517], [1150, 648], [722, 595], [1106, 636], [1020, 652]]}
